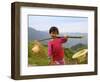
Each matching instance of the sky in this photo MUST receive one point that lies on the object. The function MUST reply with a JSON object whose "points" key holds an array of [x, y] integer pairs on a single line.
{"points": [[64, 23]]}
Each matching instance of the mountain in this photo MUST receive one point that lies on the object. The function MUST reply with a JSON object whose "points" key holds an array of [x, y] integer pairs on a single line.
{"points": [[73, 41], [78, 47], [34, 34]]}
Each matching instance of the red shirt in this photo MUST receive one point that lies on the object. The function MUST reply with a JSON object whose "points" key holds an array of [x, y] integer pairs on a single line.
{"points": [[55, 49]]}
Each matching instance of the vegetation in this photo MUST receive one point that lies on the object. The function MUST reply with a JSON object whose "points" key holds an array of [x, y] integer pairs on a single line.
{"points": [[41, 58]]}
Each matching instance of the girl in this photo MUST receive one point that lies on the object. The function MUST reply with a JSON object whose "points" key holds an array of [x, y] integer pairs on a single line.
{"points": [[55, 49]]}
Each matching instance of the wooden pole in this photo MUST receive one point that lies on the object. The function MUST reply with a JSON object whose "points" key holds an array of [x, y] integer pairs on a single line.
{"points": [[76, 37]]}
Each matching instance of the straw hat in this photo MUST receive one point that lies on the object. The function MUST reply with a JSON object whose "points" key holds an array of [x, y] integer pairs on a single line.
{"points": [[35, 49], [36, 46], [81, 56], [80, 53]]}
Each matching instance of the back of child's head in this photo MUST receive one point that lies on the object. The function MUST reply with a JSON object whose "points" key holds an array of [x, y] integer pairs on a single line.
{"points": [[53, 29]]}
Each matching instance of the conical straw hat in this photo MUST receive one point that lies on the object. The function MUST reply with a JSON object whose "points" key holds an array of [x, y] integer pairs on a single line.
{"points": [[36, 46], [80, 53]]}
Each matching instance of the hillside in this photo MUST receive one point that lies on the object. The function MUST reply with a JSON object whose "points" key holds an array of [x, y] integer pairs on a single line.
{"points": [[41, 58]]}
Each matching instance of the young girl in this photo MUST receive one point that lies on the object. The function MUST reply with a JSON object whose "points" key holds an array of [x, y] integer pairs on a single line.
{"points": [[55, 49]]}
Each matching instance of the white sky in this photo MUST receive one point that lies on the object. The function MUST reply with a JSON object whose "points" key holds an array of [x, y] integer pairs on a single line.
{"points": [[64, 24]]}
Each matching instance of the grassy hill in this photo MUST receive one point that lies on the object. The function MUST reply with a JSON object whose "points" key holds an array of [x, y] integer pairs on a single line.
{"points": [[41, 58]]}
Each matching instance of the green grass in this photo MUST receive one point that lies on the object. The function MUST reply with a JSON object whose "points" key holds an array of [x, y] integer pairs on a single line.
{"points": [[41, 58]]}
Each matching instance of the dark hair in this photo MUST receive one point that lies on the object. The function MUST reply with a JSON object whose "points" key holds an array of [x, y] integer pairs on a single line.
{"points": [[54, 29]]}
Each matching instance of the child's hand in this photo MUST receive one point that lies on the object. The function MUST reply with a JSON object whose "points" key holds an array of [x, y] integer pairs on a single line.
{"points": [[49, 60], [65, 36]]}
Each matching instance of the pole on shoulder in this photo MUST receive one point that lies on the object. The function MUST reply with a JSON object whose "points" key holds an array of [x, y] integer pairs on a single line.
{"points": [[76, 37]]}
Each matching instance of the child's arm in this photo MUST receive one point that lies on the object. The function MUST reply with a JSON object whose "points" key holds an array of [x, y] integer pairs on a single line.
{"points": [[64, 39], [49, 49], [50, 53]]}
